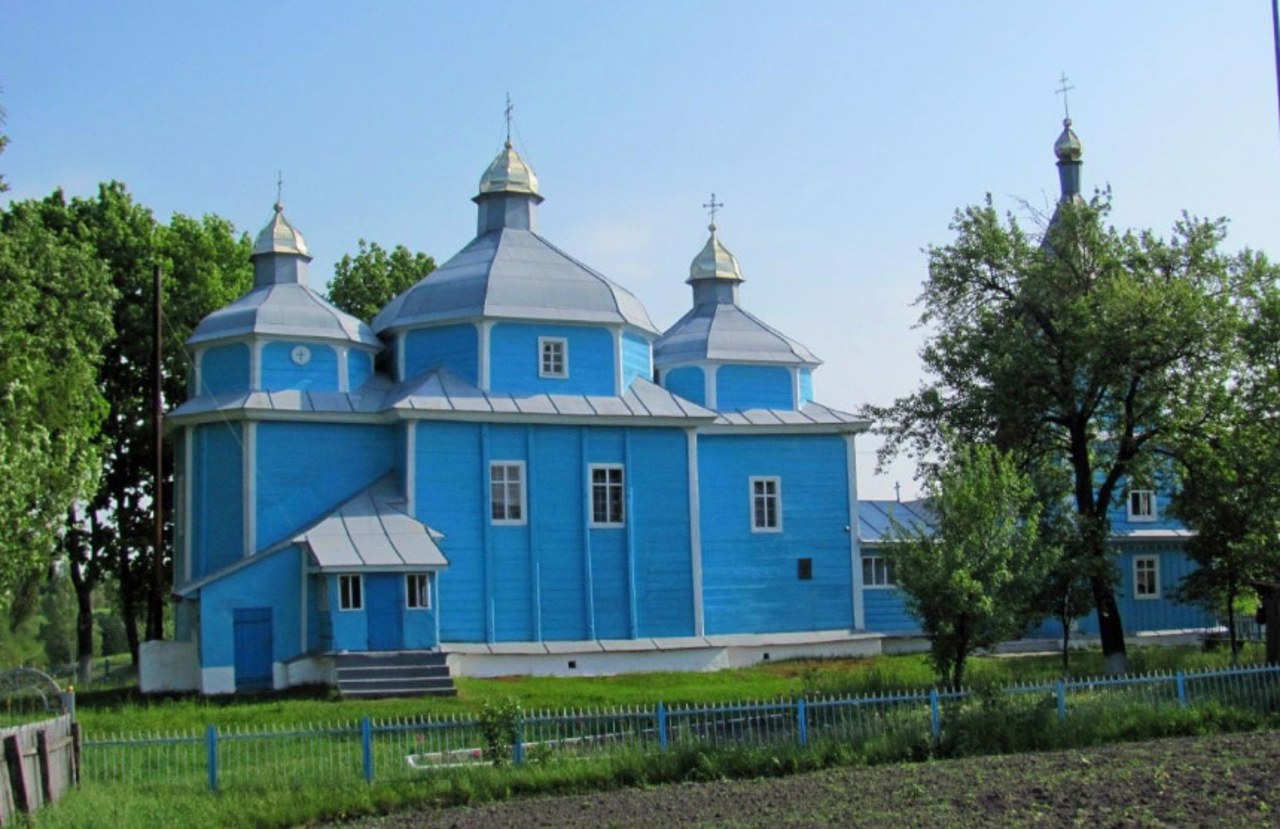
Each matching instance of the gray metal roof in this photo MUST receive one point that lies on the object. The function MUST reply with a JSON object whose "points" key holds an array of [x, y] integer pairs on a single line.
{"points": [[723, 331], [372, 530], [287, 310], [810, 414], [514, 274], [876, 518], [279, 236]]}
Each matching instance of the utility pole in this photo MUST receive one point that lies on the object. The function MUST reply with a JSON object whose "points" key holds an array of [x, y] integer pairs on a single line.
{"points": [[155, 602]]}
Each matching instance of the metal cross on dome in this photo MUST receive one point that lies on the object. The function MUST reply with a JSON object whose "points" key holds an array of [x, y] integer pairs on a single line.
{"points": [[712, 206], [510, 109], [1063, 90]]}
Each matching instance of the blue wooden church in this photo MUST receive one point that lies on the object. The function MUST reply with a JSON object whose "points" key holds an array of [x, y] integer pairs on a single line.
{"points": [[513, 469]]}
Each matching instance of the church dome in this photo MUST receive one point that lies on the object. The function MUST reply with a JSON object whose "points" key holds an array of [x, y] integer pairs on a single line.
{"points": [[279, 236], [1068, 146], [509, 173], [714, 261]]}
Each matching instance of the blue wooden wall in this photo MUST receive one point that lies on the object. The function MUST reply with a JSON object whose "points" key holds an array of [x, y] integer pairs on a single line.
{"points": [[687, 381], [217, 497], [637, 359], [305, 470], [806, 384], [514, 359], [280, 372], [750, 578], [224, 368], [359, 368], [554, 577], [753, 387], [349, 630], [273, 581], [455, 347]]}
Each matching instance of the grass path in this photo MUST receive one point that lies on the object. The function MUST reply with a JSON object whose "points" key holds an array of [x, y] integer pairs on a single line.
{"points": [[1227, 780]]}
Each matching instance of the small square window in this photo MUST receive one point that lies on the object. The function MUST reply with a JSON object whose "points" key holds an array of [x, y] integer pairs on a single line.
{"points": [[553, 357], [804, 569], [417, 591], [350, 592], [608, 501], [766, 505], [1146, 577], [1142, 505]]}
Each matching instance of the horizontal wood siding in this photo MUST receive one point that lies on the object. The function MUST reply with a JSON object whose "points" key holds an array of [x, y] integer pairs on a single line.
{"points": [[274, 581], [753, 387], [659, 480], [687, 381], [636, 359], [280, 372], [452, 497], [455, 347], [750, 578], [217, 495], [515, 358], [224, 369], [306, 470]]}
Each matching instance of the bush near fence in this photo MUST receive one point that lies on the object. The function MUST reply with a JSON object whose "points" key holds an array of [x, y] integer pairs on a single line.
{"points": [[898, 725]]}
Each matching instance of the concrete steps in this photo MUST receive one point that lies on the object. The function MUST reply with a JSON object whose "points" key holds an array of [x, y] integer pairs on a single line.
{"points": [[393, 674]]}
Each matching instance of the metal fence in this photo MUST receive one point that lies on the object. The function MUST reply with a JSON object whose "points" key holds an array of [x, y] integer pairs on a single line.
{"points": [[404, 748]]}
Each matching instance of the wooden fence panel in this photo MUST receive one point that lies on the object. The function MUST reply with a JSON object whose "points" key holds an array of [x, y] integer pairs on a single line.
{"points": [[41, 764]]}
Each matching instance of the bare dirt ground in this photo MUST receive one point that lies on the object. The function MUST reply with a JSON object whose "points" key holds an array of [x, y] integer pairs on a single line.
{"points": [[1231, 780]]}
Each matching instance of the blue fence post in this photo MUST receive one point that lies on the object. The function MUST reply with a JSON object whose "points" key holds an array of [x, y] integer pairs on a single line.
{"points": [[1182, 689], [935, 716], [366, 745], [1062, 699], [802, 723], [517, 743], [211, 752], [662, 727]]}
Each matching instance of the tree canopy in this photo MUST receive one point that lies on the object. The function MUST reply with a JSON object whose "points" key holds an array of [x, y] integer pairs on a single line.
{"points": [[364, 283], [1084, 349], [973, 579]]}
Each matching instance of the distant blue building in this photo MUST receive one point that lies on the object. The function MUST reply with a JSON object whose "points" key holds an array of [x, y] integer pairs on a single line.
{"points": [[511, 465]]}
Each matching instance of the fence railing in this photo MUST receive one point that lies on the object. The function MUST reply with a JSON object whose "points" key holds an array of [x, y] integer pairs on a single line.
{"points": [[400, 748]]}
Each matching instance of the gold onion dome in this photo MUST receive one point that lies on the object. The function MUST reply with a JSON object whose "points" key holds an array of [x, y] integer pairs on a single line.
{"points": [[1068, 146], [279, 236], [714, 261], [509, 174]]}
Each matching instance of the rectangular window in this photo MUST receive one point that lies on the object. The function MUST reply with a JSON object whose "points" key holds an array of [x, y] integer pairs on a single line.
{"points": [[1142, 505], [877, 572], [506, 492], [350, 594], [804, 569], [766, 505], [607, 496], [553, 360], [1146, 577], [417, 591]]}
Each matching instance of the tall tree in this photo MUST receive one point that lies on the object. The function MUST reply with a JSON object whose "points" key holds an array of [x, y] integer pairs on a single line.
{"points": [[364, 283], [973, 578], [55, 301], [1085, 347]]}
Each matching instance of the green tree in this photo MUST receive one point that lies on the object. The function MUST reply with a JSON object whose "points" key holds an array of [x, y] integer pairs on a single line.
{"points": [[973, 578], [364, 283], [1085, 347], [55, 301]]}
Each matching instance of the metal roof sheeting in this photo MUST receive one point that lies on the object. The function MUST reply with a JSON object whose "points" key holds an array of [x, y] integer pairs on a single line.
{"points": [[724, 331], [876, 517], [372, 530], [514, 274], [286, 310], [809, 414]]}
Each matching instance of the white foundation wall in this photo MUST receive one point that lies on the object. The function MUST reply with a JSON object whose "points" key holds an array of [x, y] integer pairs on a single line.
{"points": [[167, 667]]}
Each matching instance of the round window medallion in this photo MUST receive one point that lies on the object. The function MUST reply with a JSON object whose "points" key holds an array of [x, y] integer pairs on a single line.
{"points": [[301, 355]]}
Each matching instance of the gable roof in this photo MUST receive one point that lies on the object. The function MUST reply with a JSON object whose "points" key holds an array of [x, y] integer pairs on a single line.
{"points": [[372, 531]]}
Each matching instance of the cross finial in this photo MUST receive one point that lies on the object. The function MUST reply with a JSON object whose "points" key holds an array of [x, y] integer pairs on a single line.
{"points": [[279, 190], [1063, 90], [897, 491], [509, 110], [712, 206]]}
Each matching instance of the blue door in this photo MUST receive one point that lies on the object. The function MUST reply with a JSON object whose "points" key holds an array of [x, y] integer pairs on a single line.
{"points": [[253, 648], [383, 593]]}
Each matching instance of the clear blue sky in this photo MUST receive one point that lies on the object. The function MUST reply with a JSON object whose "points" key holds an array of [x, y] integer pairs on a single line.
{"points": [[840, 136]]}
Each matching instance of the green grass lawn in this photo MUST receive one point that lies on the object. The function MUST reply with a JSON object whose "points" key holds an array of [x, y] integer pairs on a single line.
{"points": [[123, 710]]}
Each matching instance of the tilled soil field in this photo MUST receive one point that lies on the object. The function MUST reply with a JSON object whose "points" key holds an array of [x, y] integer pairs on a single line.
{"points": [[1231, 780]]}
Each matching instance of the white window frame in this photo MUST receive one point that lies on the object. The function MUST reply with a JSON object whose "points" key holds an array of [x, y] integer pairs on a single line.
{"points": [[543, 371], [775, 496], [417, 587], [1149, 495], [523, 499], [1154, 569], [344, 605], [881, 573], [608, 485]]}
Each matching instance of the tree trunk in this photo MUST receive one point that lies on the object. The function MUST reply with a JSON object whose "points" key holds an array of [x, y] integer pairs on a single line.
{"points": [[1271, 607], [1231, 623], [1110, 628], [1066, 641]]}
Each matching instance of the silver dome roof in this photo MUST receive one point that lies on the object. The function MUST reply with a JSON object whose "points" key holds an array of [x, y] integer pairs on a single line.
{"points": [[286, 310], [279, 236], [725, 332]]}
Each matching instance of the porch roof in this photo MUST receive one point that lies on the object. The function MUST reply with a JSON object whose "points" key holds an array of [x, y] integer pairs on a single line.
{"points": [[372, 531]]}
